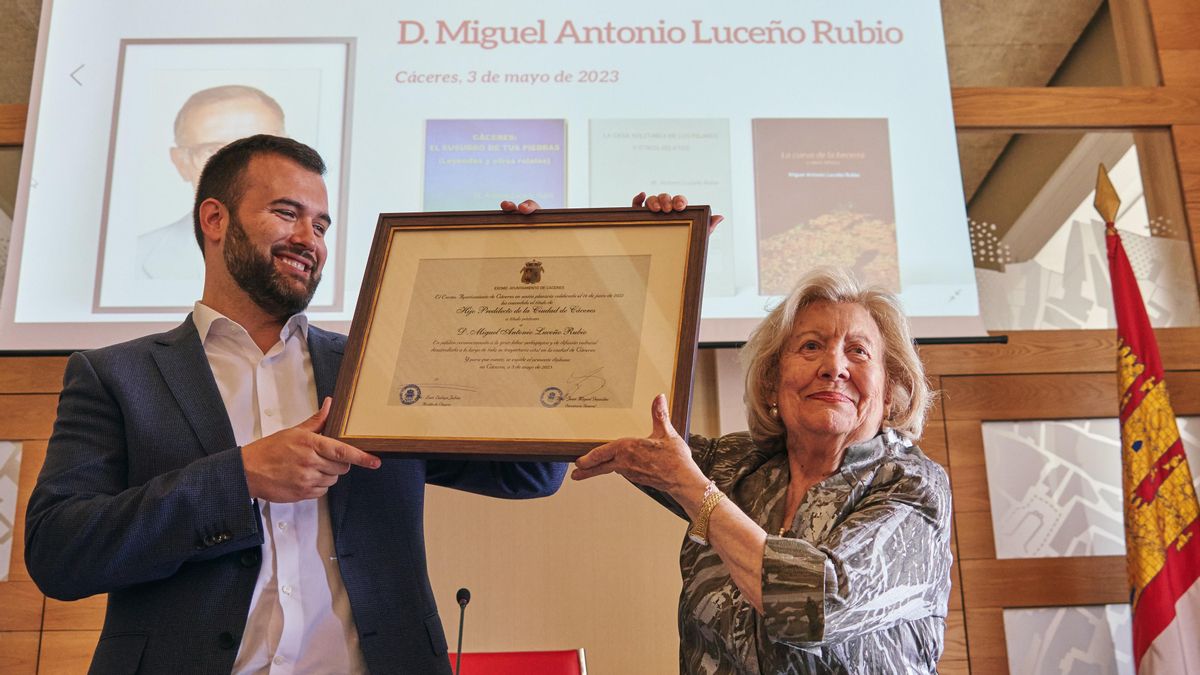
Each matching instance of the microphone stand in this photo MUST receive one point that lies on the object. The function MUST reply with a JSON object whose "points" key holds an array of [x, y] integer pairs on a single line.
{"points": [[463, 596]]}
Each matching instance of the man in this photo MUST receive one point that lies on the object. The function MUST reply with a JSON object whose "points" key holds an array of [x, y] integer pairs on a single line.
{"points": [[186, 476], [208, 120]]}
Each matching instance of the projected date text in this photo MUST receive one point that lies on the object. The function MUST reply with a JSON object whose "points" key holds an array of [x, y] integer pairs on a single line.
{"points": [[488, 77]]}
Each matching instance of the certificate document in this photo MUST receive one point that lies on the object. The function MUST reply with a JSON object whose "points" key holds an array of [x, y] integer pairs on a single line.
{"points": [[509, 332], [521, 336]]}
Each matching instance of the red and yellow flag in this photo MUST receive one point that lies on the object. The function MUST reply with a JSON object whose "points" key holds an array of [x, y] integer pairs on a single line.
{"points": [[1162, 517]]}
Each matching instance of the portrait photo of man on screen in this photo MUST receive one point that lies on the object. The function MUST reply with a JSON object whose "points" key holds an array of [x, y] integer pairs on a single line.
{"points": [[208, 120], [176, 103]]}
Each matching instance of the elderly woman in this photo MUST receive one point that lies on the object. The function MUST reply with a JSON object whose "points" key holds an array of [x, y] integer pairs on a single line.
{"points": [[820, 539]]}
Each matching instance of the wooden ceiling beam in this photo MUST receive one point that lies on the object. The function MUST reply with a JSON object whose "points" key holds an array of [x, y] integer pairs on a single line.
{"points": [[1074, 108]]}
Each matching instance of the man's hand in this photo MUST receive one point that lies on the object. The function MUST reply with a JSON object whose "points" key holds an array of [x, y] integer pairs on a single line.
{"points": [[525, 208], [299, 463], [665, 203]]}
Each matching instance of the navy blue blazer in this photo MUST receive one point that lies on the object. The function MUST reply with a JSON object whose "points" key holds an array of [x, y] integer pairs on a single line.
{"points": [[143, 496]]}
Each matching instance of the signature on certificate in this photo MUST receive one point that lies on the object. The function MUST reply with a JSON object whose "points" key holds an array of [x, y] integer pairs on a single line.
{"points": [[584, 386]]}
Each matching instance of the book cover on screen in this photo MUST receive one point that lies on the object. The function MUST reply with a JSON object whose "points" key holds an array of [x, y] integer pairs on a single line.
{"points": [[473, 165], [677, 156], [823, 196]]}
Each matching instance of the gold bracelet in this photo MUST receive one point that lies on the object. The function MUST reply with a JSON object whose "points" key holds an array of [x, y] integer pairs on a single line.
{"points": [[699, 530]]}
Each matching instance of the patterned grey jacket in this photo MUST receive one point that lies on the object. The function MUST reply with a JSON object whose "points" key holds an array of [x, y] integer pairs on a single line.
{"points": [[858, 583]]}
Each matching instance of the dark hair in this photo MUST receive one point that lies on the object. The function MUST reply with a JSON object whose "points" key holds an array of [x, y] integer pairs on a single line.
{"points": [[228, 92], [222, 176]]}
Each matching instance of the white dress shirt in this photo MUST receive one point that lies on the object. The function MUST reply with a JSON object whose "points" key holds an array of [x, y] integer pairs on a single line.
{"points": [[300, 619]]}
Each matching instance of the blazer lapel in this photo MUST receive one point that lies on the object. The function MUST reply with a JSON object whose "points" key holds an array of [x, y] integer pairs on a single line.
{"points": [[325, 351], [181, 360], [326, 355]]}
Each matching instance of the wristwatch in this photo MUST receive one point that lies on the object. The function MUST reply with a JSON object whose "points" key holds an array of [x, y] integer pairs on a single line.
{"points": [[699, 530]]}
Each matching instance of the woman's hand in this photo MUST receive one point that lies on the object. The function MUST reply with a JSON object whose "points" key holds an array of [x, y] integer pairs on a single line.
{"points": [[662, 460], [524, 208], [665, 203]]}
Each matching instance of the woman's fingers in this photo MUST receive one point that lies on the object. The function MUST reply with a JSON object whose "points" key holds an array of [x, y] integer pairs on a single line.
{"points": [[660, 419], [525, 208], [584, 474], [596, 462], [597, 455]]}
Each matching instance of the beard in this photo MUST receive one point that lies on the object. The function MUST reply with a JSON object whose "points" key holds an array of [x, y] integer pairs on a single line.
{"points": [[255, 273]]}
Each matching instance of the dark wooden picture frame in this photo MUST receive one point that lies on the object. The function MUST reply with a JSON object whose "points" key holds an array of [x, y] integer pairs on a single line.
{"points": [[361, 386]]}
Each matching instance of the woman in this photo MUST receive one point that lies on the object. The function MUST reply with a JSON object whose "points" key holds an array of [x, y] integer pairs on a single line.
{"points": [[820, 539]]}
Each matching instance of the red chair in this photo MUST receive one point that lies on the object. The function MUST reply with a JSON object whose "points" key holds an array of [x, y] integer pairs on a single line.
{"points": [[565, 662]]}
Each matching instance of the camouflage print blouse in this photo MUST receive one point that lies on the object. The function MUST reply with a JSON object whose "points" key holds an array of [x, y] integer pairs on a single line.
{"points": [[858, 582]]}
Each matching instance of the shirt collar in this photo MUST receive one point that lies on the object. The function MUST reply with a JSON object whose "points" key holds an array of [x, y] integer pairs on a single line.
{"points": [[871, 450], [209, 320]]}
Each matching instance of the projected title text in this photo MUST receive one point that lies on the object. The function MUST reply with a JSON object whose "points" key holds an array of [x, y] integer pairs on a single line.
{"points": [[697, 32]]}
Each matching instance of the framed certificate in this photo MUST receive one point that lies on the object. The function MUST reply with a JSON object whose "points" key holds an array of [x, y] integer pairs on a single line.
{"points": [[507, 336]]}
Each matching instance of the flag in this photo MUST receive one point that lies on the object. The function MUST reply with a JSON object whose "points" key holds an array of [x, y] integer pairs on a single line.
{"points": [[1162, 517]]}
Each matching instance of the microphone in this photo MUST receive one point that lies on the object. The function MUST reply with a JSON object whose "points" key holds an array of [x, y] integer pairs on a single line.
{"points": [[463, 596]]}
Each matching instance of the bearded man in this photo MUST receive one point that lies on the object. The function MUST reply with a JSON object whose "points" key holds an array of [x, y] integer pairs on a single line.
{"points": [[187, 478]]}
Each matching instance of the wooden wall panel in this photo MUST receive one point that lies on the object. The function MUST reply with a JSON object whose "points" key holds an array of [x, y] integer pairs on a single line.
{"points": [[954, 666], [1177, 36], [986, 648], [1187, 156], [19, 652], [27, 416], [1180, 68], [1052, 396], [67, 651], [956, 602], [1045, 582], [1188, 9], [977, 541], [968, 481], [967, 473], [12, 123], [33, 454], [1039, 351], [933, 443], [1176, 32], [1028, 397], [86, 614], [31, 375], [954, 656], [22, 603], [936, 414], [1184, 387]]}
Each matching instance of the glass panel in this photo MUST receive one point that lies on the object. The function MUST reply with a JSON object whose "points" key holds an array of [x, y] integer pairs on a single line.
{"points": [[1095, 640], [10, 475], [1030, 43], [1038, 244], [1055, 487]]}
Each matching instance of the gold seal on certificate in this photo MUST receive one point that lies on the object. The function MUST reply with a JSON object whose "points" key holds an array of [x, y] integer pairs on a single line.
{"points": [[507, 336]]}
